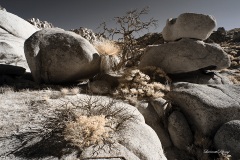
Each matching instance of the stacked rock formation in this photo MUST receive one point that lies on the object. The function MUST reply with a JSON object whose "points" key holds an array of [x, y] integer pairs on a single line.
{"points": [[40, 24], [186, 51]]}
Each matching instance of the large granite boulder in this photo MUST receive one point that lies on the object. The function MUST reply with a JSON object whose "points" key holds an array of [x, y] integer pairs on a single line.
{"points": [[207, 107], [185, 55], [58, 56], [189, 25], [227, 138], [14, 31]]}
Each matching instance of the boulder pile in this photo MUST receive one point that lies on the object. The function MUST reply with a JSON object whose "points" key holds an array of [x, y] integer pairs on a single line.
{"points": [[88, 34], [189, 53], [40, 24], [203, 108], [196, 113]]}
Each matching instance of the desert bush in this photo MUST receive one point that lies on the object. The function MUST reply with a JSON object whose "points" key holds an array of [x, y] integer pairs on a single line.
{"points": [[109, 52], [235, 79], [95, 123], [86, 131], [73, 126], [107, 47], [136, 85]]}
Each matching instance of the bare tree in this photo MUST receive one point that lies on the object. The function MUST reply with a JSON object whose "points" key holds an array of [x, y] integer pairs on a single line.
{"points": [[127, 26]]}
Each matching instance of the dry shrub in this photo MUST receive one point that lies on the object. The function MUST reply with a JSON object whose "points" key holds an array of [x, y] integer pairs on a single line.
{"points": [[95, 123], [5, 89], [107, 47], [70, 91], [64, 91], [235, 79], [136, 85], [75, 90], [86, 131]]}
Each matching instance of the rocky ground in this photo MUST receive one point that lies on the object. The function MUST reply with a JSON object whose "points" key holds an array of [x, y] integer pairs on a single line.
{"points": [[188, 109]]}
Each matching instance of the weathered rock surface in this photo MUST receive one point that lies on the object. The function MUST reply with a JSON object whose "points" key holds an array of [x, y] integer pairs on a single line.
{"points": [[40, 24], [135, 141], [15, 25], [155, 122], [185, 55], [220, 35], [201, 77], [179, 130], [108, 62], [57, 56], [14, 31], [88, 34], [100, 87], [207, 107], [227, 138], [189, 25]]}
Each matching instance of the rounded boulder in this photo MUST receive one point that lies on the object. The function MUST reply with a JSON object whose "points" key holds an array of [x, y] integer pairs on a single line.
{"points": [[227, 138], [58, 56], [189, 25]]}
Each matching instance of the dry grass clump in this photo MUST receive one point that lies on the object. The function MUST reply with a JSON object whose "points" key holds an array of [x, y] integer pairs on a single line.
{"points": [[136, 85], [235, 79], [5, 89], [86, 131], [95, 123], [70, 91], [107, 47]]}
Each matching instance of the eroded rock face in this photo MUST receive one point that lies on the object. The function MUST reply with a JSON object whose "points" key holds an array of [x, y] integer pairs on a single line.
{"points": [[185, 55], [227, 138], [58, 56], [207, 107], [189, 25], [88, 34], [15, 25], [179, 130], [40, 24], [14, 31]]}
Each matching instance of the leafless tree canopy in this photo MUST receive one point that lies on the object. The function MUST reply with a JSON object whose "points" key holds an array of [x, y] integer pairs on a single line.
{"points": [[126, 27]]}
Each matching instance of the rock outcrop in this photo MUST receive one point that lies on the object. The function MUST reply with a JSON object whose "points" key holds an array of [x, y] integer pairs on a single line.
{"points": [[14, 31], [189, 25], [207, 107], [15, 25], [88, 34], [58, 56], [40, 24], [227, 139], [185, 55]]}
